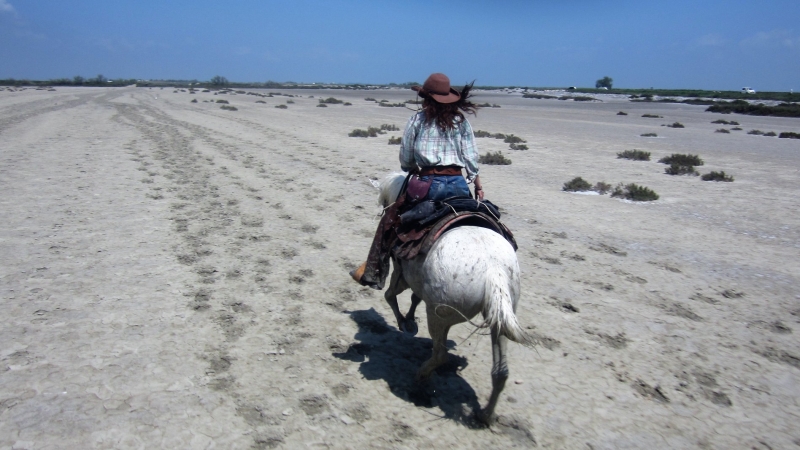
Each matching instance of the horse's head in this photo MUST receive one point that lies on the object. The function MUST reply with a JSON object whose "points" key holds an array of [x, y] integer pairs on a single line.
{"points": [[389, 188]]}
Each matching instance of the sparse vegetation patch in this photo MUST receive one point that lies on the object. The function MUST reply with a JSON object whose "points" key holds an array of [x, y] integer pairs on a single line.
{"points": [[518, 147], [395, 140], [681, 159], [577, 184], [717, 176], [229, 108], [330, 101], [725, 122], [722, 130], [789, 135], [648, 135], [744, 107], [494, 159], [634, 193], [652, 116], [678, 169], [281, 106], [635, 155], [622, 113], [540, 96], [675, 125]]}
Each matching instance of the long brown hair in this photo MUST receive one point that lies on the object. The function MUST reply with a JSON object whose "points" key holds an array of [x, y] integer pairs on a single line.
{"points": [[446, 114]]}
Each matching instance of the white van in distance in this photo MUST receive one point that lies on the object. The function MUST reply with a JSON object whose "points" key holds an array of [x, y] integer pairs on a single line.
{"points": [[747, 90]]}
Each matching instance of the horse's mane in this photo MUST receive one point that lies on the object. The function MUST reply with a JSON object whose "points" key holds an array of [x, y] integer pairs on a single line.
{"points": [[390, 187]]}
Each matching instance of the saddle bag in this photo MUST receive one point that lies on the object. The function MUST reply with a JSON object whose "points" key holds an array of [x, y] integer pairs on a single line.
{"points": [[418, 188]]}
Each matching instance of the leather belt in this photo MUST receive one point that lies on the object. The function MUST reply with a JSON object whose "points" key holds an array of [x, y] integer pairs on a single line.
{"points": [[440, 170]]}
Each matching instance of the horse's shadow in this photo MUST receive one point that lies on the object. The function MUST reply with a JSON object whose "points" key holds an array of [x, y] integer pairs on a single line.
{"points": [[390, 355]]}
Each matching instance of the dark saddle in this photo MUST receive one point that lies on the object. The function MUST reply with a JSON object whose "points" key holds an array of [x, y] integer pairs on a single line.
{"points": [[424, 223]]}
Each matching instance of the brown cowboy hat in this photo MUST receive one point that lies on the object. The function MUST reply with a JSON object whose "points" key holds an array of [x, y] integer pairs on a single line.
{"points": [[437, 87]]}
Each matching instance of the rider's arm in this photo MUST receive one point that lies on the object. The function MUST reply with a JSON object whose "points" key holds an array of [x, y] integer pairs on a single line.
{"points": [[407, 160]]}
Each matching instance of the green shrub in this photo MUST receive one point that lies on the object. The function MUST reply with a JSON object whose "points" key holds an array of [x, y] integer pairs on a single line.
{"points": [[331, 101], [736, 129], [530, 95], [622, 113], [679, 169], [652, 116], [634, 193], [260, 101], [511, 139], [756, 132], [722, 130], [601, 187], [648, 135], [322, 105], [392, 105], [229, 108], [744, 107], [347, 104], [395, 140], [369, 132], [725, 122], [281, 106], [481, 133], [770, 134], [635, 155], [194, 100], [222, 101], [290, 101], [518, 147], [369, 99], [583, 98], [717, 176], [789, 135], [499, 136], [358, 132], [676, 125], [494, 159], [682, 160], [389, 127], [576, 184]]}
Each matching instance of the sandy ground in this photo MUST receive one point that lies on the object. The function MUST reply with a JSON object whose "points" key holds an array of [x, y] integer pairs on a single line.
{"points": [[174, 275]]}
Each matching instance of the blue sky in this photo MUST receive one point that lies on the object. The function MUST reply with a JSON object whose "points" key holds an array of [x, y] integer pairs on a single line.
{"points": [[703, 44]]}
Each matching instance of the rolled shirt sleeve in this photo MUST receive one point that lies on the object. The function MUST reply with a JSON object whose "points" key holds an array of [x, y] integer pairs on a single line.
{"points": [[407, 159], [469, 151]]}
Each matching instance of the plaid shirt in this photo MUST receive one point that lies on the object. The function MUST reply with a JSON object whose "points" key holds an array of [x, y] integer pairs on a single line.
{"points": [[426, 145]]}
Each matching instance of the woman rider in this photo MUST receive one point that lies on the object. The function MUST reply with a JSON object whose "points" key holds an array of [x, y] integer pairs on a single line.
{"points": [[437, 144]]}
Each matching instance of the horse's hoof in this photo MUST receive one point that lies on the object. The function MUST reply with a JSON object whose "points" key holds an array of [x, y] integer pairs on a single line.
{"points": [[409, 327], [484, 418]]}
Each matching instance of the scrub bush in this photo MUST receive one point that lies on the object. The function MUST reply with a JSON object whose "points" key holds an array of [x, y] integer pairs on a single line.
{"points": [[577, 184], [494, 159], [635, 155]]}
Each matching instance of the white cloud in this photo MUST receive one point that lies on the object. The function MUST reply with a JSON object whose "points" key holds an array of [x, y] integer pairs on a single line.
{"points": [[711, 40], [774, 38], [5, 6]]}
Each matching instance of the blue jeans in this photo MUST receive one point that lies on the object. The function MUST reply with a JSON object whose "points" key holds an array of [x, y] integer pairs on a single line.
{"points": [[446, 186]]}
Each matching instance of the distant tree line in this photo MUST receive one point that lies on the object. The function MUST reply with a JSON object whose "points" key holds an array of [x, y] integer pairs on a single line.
{"points": [[77, 80]]}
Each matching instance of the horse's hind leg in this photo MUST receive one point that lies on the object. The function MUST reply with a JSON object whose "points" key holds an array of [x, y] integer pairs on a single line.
{"points": [[499, 377], [438, 329]]}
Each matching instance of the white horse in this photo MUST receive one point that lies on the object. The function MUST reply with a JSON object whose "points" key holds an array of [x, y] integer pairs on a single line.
{"points": [[469, 270]]}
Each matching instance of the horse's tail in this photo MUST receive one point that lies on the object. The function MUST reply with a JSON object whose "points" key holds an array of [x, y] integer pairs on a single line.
{"points": [[498, 308]]}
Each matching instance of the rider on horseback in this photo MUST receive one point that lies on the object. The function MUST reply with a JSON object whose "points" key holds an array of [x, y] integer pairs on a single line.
{"points": [[437, 144]]}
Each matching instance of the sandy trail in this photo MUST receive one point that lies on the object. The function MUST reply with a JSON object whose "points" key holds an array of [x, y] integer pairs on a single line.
{"points": [[174, 275]]}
